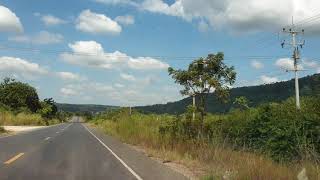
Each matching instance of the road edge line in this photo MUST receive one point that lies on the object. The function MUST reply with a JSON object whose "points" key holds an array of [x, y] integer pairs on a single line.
{"points": [[115, 155]]}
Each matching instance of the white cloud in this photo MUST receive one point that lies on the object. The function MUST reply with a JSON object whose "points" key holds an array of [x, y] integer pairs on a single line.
{"points": [[9, 22], [318, 70], [118, 85], [125, 20], [21, 67], [233, 15], [159, 6], [68, 76], [287, 64], [127, 77], [50, 20], [146, 63], [92, 54], [115, 2], [310, 64], [94, 23], [256, 64], [68, 92], [268, 80], [43, 37]]}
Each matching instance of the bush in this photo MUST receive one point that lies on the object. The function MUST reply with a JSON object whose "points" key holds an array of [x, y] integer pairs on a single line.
{"points": [[278, 130], [2, 130]]}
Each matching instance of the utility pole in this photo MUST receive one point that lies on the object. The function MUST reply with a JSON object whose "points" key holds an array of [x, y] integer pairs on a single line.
{"points": [[296, 56], [130, 110], [194, 106]]}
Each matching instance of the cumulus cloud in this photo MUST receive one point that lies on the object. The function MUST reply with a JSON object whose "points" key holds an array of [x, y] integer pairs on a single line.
{"points": [[116, 2], [125, 20], [9, 22], [94, 23], [256, 64], [68, 92], [92, 54], [287, 64], [236, 15], [146, 63], [268, 80], [127, 77], [50, 20], [42, 38], [21, 67], [69, 76]]}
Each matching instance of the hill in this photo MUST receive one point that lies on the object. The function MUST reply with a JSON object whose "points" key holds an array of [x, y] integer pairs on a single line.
{"points": [[84, 107], [309, 85]]}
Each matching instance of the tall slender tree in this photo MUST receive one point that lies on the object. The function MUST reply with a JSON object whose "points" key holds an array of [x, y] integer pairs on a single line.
{"points": [[203, 76]]}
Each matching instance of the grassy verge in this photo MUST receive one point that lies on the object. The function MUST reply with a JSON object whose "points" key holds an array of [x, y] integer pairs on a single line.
{"points": [[214, 159], [8, 118]]}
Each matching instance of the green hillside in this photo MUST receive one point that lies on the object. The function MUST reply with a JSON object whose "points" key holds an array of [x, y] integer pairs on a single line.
{"points": [[276, 92]]}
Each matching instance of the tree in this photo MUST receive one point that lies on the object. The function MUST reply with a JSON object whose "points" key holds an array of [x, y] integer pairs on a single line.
{"points": [[203, 76], [18, 95], [241, 102], [48, 109]]}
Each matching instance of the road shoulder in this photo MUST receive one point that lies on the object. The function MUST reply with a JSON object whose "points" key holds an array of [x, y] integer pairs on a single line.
{"points": [[146, 167]]}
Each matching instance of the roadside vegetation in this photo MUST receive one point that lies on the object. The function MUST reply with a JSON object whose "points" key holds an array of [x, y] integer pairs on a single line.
{"points": [[20, 105], [270, 141]]}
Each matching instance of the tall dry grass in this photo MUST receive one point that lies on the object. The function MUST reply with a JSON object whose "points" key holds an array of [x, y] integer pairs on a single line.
{"points": [[210, 161], [8, 118]]}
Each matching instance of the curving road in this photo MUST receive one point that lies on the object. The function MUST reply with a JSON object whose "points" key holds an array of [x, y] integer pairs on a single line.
{"points": [[72, 151]]}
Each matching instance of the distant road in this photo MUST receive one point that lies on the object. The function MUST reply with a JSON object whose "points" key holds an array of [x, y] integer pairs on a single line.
{"points": [[72, 151]]}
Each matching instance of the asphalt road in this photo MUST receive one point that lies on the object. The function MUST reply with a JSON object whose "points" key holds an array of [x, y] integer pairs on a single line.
{"points": [[72, 151]]}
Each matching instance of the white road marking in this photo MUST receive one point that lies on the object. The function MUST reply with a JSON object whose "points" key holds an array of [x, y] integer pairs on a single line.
{"points": [[57, 132], [115, 155], [46, 139]]}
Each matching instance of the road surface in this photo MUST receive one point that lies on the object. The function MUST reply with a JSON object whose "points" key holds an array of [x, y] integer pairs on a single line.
{"points": [[72, 151]]}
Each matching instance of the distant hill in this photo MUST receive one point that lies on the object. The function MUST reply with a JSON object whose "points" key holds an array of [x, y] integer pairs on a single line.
{"points": [[84, 107], [276, 92]]}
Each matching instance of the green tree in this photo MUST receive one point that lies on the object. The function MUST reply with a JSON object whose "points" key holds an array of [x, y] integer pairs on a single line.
{"points": [[203, 76], [17, 95], [242, 102], [48, 109]]}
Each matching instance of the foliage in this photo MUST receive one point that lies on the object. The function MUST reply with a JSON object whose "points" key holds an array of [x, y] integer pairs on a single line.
{"points": [[204, 75], [18, 95], [2, 130], [241, 102], [277, 130], [20, 105], [256, 95], [81, 108]]}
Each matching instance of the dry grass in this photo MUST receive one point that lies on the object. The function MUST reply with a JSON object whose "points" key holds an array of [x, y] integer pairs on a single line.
{"points": [[206, 161], [9, 119]]}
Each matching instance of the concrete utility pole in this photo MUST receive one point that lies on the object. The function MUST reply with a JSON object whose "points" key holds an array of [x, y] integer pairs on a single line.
{"points": [[296, 57], [194, 106]]}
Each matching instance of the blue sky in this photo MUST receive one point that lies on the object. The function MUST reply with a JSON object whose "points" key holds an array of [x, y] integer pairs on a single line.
{"points": [[117, 52]]}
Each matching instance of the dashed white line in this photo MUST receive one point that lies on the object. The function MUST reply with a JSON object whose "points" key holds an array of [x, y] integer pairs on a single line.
{"points": [[46, 139], [115, 155]]}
